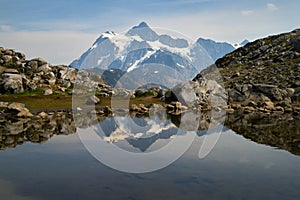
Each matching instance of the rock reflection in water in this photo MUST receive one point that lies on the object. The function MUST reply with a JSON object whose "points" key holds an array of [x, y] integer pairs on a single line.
{"points": [[14, 132], [281, 131]]}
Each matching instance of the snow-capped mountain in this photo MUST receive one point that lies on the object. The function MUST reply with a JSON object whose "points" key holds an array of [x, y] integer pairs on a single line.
{"points": [[140, 46]]}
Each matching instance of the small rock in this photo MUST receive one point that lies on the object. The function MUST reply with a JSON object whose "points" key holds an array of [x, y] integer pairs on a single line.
{"points": [[11, 71], [288, 110], [139, 92], [134, 108], [63, 89], [45, 68], [269, 104], [237, 74], [252, 104], [203, 125], [230, 110], [16, 106], [24, 113], [170, 107], [183, 108], [3, 105], [143, 108], [160, 93], [176, 104], [283, 104], [290, 91], [48, 92], [248, 109], [12, 83], [43, 115], [40, 61], [103, 94], [107, 110], [279, 108], [7, 58], [33, 64]]}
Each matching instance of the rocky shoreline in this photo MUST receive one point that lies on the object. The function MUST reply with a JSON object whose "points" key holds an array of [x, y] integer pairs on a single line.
{"points": [[273, 129]]}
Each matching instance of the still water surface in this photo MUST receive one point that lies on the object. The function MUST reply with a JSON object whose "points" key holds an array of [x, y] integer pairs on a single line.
{"points": [[237, 168]]}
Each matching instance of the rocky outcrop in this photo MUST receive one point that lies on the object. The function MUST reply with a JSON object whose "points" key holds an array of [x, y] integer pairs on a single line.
{"points": [[263, 76], [18, 75], [274, 60], [262, 97], [201, 95]]}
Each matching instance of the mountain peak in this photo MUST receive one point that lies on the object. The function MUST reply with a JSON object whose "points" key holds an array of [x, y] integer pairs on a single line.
{"points": [[144, 31], [108, 34], [244, 42], [141, 25]]}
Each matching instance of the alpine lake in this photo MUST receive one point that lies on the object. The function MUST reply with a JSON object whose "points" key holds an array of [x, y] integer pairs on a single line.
{"points": [[255, 157]]}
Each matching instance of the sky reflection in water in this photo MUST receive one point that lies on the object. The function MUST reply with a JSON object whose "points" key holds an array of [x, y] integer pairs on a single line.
{"points": [[237, 168]]}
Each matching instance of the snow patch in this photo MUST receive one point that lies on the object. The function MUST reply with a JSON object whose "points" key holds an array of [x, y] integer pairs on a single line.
{"points": [[137, 38], [108, 34], [179, 65], [137, 62], [94, 46], [184, 52]]}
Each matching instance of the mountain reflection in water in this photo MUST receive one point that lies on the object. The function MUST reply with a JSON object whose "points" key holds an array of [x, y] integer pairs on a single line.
{"points": [[277, 131]]}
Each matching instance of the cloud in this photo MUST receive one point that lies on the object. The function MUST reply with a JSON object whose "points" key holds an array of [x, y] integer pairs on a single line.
{"points": [[247, 12], [5, 28], [272, 7]]}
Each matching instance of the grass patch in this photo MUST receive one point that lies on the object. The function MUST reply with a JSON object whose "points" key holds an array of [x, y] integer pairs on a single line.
{"points": [[37, 91], [39, 102], [146, 93]]}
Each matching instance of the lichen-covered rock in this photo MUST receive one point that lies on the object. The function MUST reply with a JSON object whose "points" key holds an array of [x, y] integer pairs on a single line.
{"points": [[12, 83]]}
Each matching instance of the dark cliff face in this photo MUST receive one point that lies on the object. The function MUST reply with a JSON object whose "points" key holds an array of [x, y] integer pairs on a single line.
{"points": [[274, 60]]}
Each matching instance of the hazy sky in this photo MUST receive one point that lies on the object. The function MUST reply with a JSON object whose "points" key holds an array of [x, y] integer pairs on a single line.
{"points": [[61, 31]]}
